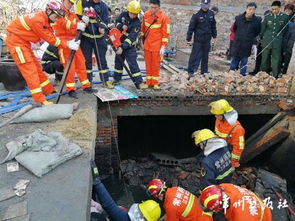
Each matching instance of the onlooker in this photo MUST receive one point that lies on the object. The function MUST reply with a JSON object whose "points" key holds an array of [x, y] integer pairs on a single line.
{"points": [[203, 26], [215, 10], [289, 10], [273, 31], [288, 47], [231, 41], [246, 28], [117, 12]]}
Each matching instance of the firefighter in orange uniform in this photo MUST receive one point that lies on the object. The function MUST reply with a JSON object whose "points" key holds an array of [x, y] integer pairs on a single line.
{"points": [[236, 203], [32, 28], [155, 30], [229, 128], [179, 204], [66, 29]]}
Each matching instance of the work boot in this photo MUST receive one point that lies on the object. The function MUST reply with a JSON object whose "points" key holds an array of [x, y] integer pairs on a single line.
{"points": [[73, 94], [143, 86], [90, 90], [95, 173], [109, 84], [156, 87], [47, 102]]}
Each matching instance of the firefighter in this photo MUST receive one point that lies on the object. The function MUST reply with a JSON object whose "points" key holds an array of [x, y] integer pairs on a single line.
{"points": [[155, 30], [51, 63], [32, 28], [148, 210], [215, 159], [179, 204], [66, 29], [129, 24], [203, 26], [229, 128], [273, 31], [93, 39], [236, 203]]}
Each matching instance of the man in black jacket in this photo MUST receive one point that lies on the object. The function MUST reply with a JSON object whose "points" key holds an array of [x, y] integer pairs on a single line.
{"points": [[203, 26], [246, 27]]}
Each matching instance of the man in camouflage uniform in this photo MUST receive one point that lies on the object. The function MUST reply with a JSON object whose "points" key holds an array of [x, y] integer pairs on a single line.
{"points": [[272, 38]]}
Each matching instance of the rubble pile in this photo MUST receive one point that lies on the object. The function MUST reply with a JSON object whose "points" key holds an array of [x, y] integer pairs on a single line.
{"points": [[226, 83], [139, 172]]}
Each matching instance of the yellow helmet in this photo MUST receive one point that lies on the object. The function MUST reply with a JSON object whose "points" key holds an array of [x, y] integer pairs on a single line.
{"points": [[72, 1], [134, 7], [220, 107], [151, 210], [202, 135]]}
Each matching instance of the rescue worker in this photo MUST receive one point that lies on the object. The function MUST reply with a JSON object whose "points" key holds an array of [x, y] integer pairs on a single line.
{"points": [[93, 39], [51, 64], [179, 204], [215, 159], [66, 29], [273, 31], [32, 28], [229, 128], [203, 26], [236, 203], [129, 23], [155, 30], [146, 211]]}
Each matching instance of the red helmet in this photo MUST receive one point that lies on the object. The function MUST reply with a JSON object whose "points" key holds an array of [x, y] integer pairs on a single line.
{"points": [[211, 198], [57, 7], [156, 187]]}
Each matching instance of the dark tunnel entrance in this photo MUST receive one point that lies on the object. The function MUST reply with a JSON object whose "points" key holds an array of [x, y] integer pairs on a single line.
{"points": [[139, 136]]}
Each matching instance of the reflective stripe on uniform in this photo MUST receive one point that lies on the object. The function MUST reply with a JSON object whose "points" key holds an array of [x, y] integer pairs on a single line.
{"points": [[164, 39], [51, 54], [92, 21], [207, 213], [212, 197], [61, 53], [59, 72], [136, 74], [235, 156], [70, 85], [20, 55], [24, 24], [57, 42], [189, 206], [37, 90], [44, 83], [128, 41], [221, 134], [118, 71], [168, 28], [89, 71], [45, 62], [152, 26], [68, 24], [225, 174], [104, 71], [126, 34], [85, 82], [92, 36], [241, 142], [149, 77], [155, 78]]}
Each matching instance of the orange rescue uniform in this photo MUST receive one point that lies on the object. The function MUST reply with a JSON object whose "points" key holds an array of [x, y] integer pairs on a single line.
{"points": [[235, 138], [66, 29], [244, 205], [181, 205], [156, 35], [20, 33]]}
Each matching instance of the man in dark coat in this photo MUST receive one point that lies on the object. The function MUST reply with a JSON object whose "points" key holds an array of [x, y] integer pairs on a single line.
{"points": [[247, 28]]}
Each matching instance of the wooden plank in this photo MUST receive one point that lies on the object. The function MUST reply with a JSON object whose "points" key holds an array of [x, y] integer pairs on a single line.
{"points": [[265, 143]]}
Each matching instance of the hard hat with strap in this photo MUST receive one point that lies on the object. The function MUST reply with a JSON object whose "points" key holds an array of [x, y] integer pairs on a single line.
{"points": [[220, 107], [134, 7], [72, 1], [56, 7], [156, 187], [150, 210], [211, 198], [202, 135]]}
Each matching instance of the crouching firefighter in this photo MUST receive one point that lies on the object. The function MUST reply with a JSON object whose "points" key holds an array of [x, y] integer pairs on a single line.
{"points": [[215, 159], [93, 39], [129, 24], [146, 211], [179, 204], [51, 64]]}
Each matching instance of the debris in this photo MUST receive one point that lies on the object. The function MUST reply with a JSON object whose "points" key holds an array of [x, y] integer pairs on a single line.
{"points": [[12, 167], [13, 211], [21, 186]]}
